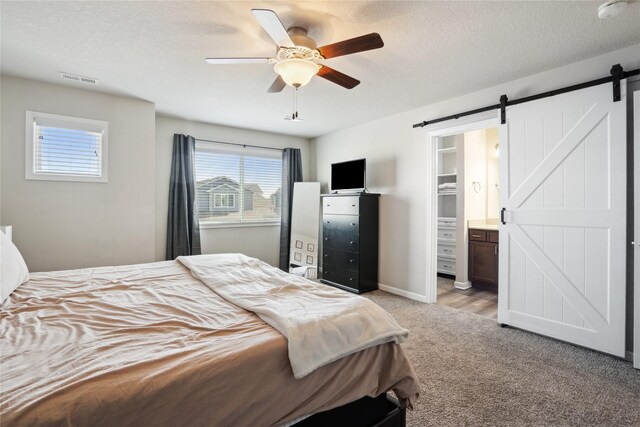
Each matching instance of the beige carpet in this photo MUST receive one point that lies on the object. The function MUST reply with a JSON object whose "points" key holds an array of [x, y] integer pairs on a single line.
{"points": [[473, 372]]}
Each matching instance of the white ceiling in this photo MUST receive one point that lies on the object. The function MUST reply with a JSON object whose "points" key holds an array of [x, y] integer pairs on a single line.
{"points": [[433, 51]]}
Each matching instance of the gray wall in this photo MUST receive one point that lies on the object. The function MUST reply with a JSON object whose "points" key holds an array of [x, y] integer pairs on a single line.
{"points": [[262, 242], [397, 164], [64, 225]]}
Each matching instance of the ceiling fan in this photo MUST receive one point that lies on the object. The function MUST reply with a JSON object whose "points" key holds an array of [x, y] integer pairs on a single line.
{"points": [[298, 58]]}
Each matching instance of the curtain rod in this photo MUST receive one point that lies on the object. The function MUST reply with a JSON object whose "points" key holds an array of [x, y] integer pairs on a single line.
{"points": [[616, 75], [239, 145]]}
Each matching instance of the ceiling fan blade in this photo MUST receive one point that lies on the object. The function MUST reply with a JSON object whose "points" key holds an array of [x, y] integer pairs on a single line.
{"points": [[355, 45], [272, 25], [337, 77], [277, 85], [237, 60]]}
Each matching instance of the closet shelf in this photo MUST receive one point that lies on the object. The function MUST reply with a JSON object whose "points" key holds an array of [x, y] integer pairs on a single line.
{"points": [[446, 174], [447, 150], [447, 194]]}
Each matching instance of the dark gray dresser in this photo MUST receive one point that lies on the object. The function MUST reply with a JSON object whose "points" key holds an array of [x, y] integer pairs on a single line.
{"points": [[350, 241]]}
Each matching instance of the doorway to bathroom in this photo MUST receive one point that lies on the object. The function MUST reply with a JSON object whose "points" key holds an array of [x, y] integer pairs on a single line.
{"points": [[467, 188]]}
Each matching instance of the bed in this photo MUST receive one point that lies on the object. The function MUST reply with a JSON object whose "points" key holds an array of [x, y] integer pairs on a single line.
{"points": [[153, 344]]}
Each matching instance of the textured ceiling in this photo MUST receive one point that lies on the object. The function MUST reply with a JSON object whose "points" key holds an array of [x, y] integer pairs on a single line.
{"points": [[433, 51]]}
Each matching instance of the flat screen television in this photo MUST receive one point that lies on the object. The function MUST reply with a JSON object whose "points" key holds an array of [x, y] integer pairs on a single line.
{"points": [[349, 176]]}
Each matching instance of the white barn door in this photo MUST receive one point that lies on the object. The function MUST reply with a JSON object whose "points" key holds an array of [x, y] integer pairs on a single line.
{"points": [[563, 187]]}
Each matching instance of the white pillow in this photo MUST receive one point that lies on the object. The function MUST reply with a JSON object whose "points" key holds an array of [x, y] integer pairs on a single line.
{"points": [[13, 269]]}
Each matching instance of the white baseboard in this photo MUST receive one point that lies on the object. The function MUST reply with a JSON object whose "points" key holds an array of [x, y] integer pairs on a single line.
{"points": [[462, 285], [403, 293]]}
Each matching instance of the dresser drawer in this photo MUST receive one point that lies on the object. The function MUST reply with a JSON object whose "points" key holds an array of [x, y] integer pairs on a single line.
{"points": [[446, 234], [341, 232], [477, 235], [342, 205], [493, 236], [446, 266], [446, 250], [342, 277], [334, 259], [346, 223]]}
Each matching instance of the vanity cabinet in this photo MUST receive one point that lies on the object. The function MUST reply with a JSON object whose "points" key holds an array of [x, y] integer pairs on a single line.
{"points": [[483, 256]]}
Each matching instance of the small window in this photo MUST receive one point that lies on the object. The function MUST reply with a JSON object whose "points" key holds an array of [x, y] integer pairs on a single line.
{"points": [[64, 148], [237, 185], [224, 201]]}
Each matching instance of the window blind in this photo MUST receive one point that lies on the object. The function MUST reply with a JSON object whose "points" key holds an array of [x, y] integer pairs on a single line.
{"points": [[237, 185], [66, 151]]}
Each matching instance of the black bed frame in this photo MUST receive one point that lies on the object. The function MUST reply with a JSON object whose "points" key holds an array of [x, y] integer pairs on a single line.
{"points": [[381, 411]]}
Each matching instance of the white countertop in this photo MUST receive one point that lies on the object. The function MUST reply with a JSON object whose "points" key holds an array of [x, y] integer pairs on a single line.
{"points": [[493, 227]]}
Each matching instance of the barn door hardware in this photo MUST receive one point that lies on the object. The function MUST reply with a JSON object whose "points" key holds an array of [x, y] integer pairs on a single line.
{"points": [[502, 215], [503, 109], [618, 74]]}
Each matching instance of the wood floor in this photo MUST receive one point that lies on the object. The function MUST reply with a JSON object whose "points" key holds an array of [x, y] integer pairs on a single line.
{"points": [[473, 300]]}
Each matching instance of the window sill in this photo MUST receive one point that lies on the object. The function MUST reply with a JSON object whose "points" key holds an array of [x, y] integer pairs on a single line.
{"points": [[239, 224]]}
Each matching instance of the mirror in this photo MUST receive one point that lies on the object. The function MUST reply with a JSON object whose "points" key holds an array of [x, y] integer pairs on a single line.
{"points": [[305, 226]]}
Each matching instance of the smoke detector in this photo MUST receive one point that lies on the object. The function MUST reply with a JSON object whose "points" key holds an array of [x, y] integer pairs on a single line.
{"points": [[611, 8], [78, 79]]}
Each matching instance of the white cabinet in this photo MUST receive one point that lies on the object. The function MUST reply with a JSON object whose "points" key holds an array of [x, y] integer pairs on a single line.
{"points": [[447, 245], [447, 190]]}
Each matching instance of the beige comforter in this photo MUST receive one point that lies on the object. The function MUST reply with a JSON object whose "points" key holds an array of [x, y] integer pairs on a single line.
{"points": [[151, 345]]}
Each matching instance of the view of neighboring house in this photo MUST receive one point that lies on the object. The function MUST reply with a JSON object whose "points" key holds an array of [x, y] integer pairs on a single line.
{"points": [[276, 197], [224, 199]]}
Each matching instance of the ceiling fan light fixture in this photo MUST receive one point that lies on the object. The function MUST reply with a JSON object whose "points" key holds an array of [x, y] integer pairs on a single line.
{"points": [[611, 8], [296, 72]]}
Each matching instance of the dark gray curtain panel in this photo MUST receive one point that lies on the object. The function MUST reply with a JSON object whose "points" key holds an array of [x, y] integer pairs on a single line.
{"points": [[291, 172], [183, 228]]}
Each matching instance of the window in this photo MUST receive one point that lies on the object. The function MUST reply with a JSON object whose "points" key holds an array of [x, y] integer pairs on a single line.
{"points": [[64, 148], [237, 185], [224, 201]]}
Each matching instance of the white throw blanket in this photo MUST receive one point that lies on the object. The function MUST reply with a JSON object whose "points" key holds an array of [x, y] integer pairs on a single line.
{"points": [[321, 323]]}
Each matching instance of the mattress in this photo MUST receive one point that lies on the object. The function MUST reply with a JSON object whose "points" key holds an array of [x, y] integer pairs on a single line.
{"points": [[151, 345]]}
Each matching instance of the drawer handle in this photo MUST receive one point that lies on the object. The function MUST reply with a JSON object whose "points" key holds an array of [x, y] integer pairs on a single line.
{"points": [[326, 238], [446, 266], [325, 255], [351, 242], [476, 235], [351, 260], [353, 223], [350, 279], [328, 222], [353, 206]]}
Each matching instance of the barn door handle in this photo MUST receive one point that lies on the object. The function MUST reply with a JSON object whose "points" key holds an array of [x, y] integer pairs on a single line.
{"points": [[502, 215]]}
